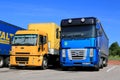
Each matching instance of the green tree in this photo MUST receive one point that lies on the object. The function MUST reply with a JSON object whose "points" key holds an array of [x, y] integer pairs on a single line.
{"points": [[114, 49]]}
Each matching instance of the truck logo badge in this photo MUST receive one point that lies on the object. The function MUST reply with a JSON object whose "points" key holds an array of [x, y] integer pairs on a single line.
{"points": [[22, 47], [65, 43], [77, 54], [70, 21]]}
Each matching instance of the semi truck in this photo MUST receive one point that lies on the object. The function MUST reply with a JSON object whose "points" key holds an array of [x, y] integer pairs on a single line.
{"points": [[38, 46], [84, 43], [7, 32]]}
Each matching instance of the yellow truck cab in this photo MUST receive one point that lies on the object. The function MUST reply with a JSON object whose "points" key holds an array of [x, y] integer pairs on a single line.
{"points": [[37, 46]]}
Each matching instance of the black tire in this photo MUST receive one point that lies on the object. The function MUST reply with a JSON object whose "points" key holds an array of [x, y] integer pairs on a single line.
{"points": [[7, 61], [101, 63], [18, 67], [1, 61], [56, 64], [10, 67], [105, 62], [44, 63], [96, 68], [64, 69]]}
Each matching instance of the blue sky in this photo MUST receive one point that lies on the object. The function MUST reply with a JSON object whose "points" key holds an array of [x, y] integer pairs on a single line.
{"points": [[23, 12]]}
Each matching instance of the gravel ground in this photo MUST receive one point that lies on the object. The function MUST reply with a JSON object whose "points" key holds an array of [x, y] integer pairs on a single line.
{"points": [[114, 62]]}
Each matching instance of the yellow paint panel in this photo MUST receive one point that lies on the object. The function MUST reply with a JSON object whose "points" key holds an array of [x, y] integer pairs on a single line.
{"points": [[50, 29]]}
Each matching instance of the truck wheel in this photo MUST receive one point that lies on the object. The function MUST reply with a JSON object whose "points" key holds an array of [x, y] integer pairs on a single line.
{"points": [[18, 67], [96, 68], [44, 64], [1, 61], [64, 68], [105, 62], [7, 61], [101, 63]]}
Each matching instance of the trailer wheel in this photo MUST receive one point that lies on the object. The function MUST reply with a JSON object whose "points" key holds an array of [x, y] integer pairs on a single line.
{"points": [[7, 61], [1, 61], [44, 63]]}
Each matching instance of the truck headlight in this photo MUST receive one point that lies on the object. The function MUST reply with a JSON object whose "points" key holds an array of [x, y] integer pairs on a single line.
{"points": [[69, 54], [91, 52], [63, 53]]}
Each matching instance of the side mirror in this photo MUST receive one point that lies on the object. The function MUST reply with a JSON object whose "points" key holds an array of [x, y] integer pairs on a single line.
{"points": [[38, 48], [10, 41], [40, 44], [100, 32]]}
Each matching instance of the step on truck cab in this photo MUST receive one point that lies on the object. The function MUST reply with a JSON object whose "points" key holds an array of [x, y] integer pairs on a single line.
{"points": [[7, 32], [83, 43], [38, 46]]}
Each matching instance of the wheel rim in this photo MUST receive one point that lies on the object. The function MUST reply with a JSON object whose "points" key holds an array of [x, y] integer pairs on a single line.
{"points": [[8, 64], [1, 61], [45, 63]]}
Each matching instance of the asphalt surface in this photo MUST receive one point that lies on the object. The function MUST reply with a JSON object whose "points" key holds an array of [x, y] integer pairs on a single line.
{"points": [[112, 72]]}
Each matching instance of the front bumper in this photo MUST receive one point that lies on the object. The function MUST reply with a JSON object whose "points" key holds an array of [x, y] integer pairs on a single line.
{"points": [[26, 60]]}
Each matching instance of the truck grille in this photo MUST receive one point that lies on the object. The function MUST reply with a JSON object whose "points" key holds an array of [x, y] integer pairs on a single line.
{"points": [[21, 53], [22, 58], [77, 54]]}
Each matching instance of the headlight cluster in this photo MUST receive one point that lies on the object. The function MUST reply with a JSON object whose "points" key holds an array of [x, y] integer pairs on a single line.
{"points": [[63, 53], [91, 52]]}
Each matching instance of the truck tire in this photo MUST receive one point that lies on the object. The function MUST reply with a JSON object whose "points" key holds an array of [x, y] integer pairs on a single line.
{"points": [[96, 68], [101, 63], [64, 68], [18, 67], [44, 63], [7, 61], [105, 62], [1, 61]]}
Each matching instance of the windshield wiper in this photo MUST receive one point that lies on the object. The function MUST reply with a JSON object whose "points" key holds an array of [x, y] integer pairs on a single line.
{"points": [[66, 36], [29, 44], [16, 44]]}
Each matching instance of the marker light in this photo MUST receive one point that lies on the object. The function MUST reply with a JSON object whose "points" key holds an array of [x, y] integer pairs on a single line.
{"points": [[91, 52], [70, 21], [63, 53], [83, 20]]}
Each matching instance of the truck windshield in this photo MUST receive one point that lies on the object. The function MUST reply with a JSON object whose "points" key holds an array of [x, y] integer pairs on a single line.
{"points": [[77, 32], [26, 39]]}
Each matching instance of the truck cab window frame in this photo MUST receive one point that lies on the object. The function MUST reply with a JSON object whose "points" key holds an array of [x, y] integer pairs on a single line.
{"points": [[42, 39]]}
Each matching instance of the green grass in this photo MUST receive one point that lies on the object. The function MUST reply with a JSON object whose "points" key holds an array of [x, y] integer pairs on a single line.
{"points": [[114, 57]]}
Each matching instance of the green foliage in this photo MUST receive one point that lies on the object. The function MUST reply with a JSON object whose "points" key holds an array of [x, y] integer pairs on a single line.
{"points": [[114, 57], [114, 49]]}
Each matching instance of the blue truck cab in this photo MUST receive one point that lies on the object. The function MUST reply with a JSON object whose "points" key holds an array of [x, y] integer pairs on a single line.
{"points": [[83, 43], [7, 32]]}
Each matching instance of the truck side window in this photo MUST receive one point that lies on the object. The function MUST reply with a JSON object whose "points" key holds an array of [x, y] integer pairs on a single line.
{"points": [[57, 33], [40, 39], [44, 39], [100, 32]]}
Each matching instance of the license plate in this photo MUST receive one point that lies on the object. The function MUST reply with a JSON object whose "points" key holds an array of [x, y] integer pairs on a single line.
{"points": [[21, 64]]}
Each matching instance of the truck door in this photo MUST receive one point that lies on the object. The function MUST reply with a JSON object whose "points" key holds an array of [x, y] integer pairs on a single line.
{"points": [[43, 44]]}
